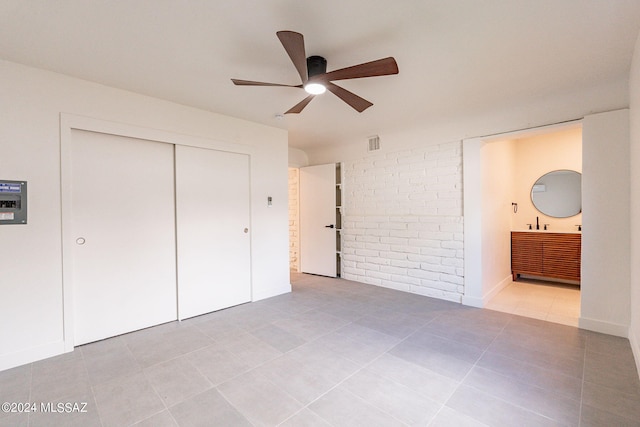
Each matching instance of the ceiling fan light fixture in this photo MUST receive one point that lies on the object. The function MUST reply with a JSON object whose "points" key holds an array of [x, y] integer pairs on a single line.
{"points": [[315, 88]]}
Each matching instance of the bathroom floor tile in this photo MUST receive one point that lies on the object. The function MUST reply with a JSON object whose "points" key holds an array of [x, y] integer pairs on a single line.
{"points": [[550, 301]]}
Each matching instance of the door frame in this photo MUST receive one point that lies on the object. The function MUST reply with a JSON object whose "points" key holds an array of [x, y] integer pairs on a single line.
{"points": [[476, 292], [303, 229], [69, 122]]}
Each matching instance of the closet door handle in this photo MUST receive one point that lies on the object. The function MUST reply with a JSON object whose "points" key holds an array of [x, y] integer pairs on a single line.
{"points": [[329, 226]]}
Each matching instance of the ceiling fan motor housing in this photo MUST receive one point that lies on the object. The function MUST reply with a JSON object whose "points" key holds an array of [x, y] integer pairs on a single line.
{"points": [[316, 65]]}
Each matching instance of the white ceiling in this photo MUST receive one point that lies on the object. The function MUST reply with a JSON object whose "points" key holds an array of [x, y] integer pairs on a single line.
{"points": [[454, 56]]}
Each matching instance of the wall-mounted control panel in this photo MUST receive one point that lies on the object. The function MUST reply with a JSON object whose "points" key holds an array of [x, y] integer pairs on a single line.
{"points": [[13, 202]]}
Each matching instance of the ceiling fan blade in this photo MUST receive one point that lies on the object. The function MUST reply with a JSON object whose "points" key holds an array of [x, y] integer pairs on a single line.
{"points": [[381, 67], [357, 103], [252, 83], [293, 43], [300, 105]]}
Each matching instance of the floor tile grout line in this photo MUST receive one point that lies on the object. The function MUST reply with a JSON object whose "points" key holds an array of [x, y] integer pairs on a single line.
{"points": [[513, 379], [233, 406], [363, 367], [90, 386], [95, 400], [584, 371], [253, 368], [514, 405], [307, 406], [460, 383], [526, 363], [499, 398], [304, 406], [30, 391], [166, 408]]}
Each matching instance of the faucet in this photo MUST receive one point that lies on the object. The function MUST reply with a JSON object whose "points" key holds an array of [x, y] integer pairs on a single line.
{"points": [[537, 223]]}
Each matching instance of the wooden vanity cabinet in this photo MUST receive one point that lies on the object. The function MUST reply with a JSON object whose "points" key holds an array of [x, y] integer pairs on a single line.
{"points": [[553, 255]]}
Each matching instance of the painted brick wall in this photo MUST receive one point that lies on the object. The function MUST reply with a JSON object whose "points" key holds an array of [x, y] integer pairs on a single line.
{"points": [[403, 224], [293, 219]]}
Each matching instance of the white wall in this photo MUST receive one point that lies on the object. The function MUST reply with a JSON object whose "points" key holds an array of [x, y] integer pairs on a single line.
{"points": [[534, 157], [498, 188], [545, 111], [297, 158], [605, 287], [634, 115], [31, 256]]}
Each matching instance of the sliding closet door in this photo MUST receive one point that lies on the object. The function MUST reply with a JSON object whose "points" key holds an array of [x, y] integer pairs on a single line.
{"points": [[123, 228], [213, 229]]}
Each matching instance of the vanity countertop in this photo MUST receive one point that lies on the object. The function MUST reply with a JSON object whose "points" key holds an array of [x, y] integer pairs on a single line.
{"points": [[547, 231]]}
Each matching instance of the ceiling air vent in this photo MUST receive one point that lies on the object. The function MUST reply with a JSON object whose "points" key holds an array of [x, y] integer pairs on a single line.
{"points": [[374, 143]]}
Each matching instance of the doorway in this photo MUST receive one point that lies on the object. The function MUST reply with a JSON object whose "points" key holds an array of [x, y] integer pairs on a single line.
{"points": [[498, 186], [315, 219]]}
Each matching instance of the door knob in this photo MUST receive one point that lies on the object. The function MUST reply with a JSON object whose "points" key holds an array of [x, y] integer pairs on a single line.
{"points": [[80, 241], [329, 226], [246, 230]]}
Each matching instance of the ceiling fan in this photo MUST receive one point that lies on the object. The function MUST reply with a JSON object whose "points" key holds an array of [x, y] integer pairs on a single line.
{"points": [[315, 79]]}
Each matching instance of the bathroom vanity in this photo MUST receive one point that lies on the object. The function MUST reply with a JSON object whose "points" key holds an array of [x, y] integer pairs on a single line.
{"points": [[546, 254]]}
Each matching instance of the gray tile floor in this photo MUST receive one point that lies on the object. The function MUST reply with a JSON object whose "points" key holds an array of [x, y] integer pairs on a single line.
{"points": [[338, 353]]}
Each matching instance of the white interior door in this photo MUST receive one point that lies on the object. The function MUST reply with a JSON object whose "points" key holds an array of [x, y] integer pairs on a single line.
{"points": [[317, 220], [213, 215], [123, 228]]}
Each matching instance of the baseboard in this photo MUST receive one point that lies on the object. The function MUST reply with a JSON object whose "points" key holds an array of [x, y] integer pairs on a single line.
{"points": [[496, 289], [274, 292], [635, 347], [604, 327], [11, 360], [482, 302]]}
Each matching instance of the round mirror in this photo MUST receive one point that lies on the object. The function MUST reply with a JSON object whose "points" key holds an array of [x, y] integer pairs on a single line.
{"points": [[558, 193]]}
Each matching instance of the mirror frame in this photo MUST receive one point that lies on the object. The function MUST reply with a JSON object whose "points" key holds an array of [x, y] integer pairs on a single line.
{"points": [[542, 209]]}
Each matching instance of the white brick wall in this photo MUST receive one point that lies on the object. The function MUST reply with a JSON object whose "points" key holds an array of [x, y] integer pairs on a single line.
{"points": [[293, 219], [402, 221]]}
